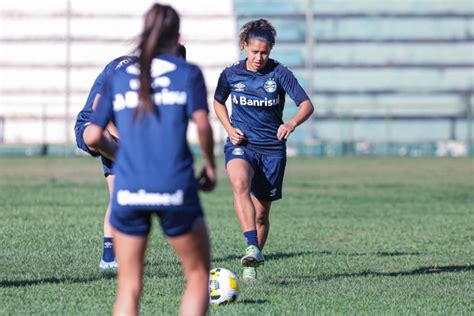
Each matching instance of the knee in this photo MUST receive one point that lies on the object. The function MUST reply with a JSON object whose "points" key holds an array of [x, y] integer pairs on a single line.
{"points": [[262, 219], [241, 186], [197, 275], [131, 289]]}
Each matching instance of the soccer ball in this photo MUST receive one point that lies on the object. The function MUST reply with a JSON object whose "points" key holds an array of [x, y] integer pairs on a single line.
{"points": [[223, 287]]}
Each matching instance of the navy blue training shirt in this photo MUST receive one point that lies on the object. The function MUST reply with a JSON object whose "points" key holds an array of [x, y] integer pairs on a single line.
{"points": [[258, 100], [153, 165], [85, 114]]}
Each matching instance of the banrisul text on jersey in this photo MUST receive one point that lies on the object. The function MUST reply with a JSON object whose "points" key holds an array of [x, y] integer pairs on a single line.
{"points": [[258, 100]]}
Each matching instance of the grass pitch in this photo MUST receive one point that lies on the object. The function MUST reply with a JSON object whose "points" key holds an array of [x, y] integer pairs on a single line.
{"points": [[351, 235]]}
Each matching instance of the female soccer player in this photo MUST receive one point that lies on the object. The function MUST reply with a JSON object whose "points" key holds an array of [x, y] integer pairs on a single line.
{"points": [[151, 102], [108, 145], [255, 152], [105, 149]]}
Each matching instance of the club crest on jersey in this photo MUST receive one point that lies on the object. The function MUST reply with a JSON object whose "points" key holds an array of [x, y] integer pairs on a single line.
{"points": [[237, 151], [270, 85], [239, 87]]}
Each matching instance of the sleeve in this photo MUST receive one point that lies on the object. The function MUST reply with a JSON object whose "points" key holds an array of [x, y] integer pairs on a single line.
{"points": [[222, 89], [197, 92], [292, 87], [104, 113], [106, 73]]}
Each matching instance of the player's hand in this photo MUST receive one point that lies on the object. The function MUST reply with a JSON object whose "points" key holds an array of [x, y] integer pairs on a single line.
{"points": [[236, 136], [208, 178], [285, 130]]}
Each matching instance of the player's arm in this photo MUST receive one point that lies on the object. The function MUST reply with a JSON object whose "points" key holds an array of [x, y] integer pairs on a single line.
{"points": [[306, 108], [101, 141], [236, 136], [208, 177], [102, 115], [111, 128]]}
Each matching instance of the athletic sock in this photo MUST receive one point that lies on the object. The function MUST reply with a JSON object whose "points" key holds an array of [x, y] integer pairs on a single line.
{"points": [[108, 255], [252, 239]]}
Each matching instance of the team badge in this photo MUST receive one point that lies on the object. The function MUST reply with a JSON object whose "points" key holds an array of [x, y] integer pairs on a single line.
{"points": [[239, 87], [270, 85], [238, 152]]}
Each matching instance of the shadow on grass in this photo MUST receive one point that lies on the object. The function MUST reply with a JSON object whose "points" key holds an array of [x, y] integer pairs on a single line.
{"points": [[248, 301], [21, 283], [419, 271], [286, 255], [275, 256]]}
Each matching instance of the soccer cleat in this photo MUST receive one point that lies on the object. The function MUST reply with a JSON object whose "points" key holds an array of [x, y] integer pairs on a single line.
{"points": [[253, 257], [107, 266], [249, 275]]}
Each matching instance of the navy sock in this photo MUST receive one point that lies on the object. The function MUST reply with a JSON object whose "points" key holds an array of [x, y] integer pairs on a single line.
{"points": [[252, 239], [108, 255]]}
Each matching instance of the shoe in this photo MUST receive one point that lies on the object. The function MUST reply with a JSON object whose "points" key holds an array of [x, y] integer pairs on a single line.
{"points": [[253, 257], [249, 275], [108, 266]]}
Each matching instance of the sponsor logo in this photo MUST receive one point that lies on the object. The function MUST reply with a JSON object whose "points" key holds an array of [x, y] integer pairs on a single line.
{"points": [[273, 192], [107, 244], [125, 197], [123, 62], [239, 87], [243, 100], [270, 85], [162, 82], [159, 67], [237, 151], [163, 97]]}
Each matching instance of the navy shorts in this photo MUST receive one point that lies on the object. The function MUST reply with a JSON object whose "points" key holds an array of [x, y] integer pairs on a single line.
{"points": [[268, 170], [106, 163], [137, 222]]}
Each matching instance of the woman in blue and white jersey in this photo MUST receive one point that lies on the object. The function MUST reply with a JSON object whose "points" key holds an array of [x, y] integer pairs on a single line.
{"points": [[108, 145], [104, 150], [255, 152], [151, 102]]}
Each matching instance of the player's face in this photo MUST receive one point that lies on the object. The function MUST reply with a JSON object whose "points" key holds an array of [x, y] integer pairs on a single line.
{"points": [[258, 53]]}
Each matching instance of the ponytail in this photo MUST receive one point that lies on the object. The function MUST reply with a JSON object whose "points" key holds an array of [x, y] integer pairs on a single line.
{"points": [[159, 35]]}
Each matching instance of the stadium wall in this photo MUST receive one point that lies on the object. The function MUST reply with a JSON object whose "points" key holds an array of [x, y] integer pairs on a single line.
{"points": [[387, 78]]}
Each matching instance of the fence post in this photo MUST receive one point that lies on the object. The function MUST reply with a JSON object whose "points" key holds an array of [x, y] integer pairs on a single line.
{"points": [[44, 140], [469, 136]]}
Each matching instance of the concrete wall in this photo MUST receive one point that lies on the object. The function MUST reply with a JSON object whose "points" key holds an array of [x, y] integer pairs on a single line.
{"points": [[46, 73]]}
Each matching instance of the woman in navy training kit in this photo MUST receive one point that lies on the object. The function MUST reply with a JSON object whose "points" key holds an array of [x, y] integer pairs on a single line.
{"points": [[151, 102], [107, 146], [255, 152], [105, 149]]}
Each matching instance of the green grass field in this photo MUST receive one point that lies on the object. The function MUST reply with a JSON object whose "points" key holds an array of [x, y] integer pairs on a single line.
{"points": [[351, 236]]}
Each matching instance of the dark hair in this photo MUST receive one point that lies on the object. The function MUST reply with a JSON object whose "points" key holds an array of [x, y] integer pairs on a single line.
{"points": [[181, 51], [160, 34], [259, 29]]}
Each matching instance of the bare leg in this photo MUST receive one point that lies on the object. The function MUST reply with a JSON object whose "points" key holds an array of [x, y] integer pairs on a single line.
{"points": [[107, 227], [262, 211], [130, 251], [241, 174], [194, 252]]}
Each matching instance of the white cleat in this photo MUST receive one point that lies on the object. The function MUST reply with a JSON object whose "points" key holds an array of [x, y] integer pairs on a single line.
{"points": [[108, 266]]}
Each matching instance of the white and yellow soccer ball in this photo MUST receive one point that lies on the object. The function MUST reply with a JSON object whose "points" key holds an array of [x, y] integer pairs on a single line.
{"points": [[223, 287]]}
